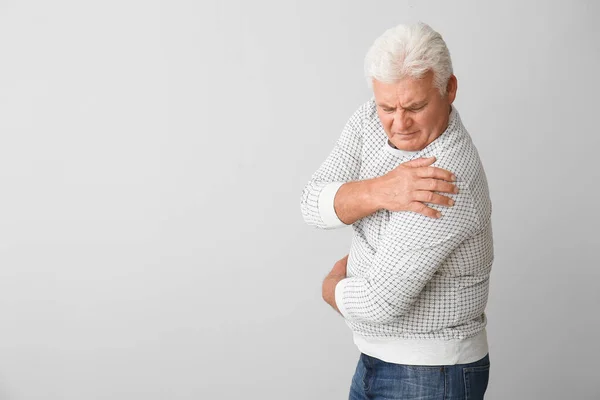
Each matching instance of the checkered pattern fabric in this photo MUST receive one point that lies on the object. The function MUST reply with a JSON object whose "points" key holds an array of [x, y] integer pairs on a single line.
{"points": [[411, 276]]}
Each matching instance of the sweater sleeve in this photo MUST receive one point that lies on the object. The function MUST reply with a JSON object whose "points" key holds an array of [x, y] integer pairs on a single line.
{"points": [[409, 253], [341, 166]]}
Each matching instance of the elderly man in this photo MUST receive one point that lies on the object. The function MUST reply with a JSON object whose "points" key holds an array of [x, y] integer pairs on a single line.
{"points": [[414, 286]]}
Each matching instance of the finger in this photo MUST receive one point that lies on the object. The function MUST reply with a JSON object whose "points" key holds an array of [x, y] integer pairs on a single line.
{"points": [[419, 162], [433, 198], [436, 185], [436, 173], [423, 209]]}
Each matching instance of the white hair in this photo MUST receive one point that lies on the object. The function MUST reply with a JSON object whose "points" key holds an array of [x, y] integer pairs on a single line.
{"points": [[409, 51]]}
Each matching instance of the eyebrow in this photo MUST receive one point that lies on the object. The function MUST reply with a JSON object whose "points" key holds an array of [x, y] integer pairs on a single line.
{"points": [[412, 105]]}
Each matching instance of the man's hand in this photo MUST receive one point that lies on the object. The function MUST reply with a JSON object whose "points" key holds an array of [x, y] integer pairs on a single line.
{"points": [[408, 186], [338, 272]]}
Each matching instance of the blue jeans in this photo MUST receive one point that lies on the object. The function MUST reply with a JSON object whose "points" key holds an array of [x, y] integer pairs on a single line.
{"points": [[375, 379]]}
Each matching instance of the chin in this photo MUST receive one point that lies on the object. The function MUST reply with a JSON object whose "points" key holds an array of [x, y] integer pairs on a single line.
{"points": [[414, 143], [407, 146]]}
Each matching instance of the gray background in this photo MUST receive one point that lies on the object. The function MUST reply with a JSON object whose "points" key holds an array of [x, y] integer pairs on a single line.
{"points": [[152, 158]]}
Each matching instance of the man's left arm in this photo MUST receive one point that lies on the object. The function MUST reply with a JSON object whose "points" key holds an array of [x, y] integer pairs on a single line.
{"points": [[409, 253]]}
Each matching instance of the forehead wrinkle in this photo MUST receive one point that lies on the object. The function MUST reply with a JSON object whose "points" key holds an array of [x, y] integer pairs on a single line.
{"points": [[406, 104], [414, 91]]}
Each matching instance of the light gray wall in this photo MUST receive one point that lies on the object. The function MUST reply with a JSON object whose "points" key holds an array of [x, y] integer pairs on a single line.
{"points": [[152, 158]]}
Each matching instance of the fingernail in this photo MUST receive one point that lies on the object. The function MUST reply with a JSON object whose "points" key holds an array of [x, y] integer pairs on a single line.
{"points": [[439, 214], [455, 189], [451, 202], [453, 177]]}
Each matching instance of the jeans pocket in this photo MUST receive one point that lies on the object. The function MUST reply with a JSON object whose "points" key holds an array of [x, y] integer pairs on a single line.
{"points": [[476, 381]]}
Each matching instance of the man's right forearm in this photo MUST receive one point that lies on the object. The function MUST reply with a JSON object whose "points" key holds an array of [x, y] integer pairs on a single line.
{"points": [[356, 200]]}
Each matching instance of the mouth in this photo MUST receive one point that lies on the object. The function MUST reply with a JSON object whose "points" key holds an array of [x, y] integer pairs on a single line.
{"points": [[406, 135]]}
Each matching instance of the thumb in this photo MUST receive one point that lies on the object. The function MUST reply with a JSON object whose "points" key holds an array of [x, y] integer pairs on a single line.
{"points": [[420, 162]]}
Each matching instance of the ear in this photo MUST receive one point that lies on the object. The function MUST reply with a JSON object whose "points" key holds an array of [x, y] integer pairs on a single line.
{"points": [[451, 88]]}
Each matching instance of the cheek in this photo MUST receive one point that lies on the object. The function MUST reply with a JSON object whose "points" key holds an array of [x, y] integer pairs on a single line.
{"points": [[386, 120], [423, 120]]}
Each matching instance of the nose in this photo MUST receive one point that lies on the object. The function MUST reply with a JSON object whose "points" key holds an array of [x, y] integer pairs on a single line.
{"points": [[402, 122]]}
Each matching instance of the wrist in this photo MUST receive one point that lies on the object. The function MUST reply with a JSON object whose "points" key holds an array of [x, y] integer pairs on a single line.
{"points": [[373, 194]]}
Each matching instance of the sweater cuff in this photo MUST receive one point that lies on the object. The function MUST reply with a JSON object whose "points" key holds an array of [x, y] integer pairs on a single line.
{"points": [[339, 297], [326, 207]]}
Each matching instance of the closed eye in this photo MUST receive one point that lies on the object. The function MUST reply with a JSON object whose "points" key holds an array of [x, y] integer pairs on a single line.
{"points": [[417, 108]]}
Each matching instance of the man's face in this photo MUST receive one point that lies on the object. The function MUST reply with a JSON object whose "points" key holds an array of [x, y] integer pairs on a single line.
{"points": [[413, 112]]}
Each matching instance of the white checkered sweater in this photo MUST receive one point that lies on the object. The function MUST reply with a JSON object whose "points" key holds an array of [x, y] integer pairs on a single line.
{"points": [[416, 287]]}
